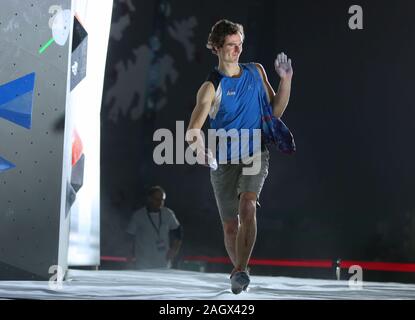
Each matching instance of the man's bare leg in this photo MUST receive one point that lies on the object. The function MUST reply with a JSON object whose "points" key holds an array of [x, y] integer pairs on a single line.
{"points": [[230, 230], [247, 231]]}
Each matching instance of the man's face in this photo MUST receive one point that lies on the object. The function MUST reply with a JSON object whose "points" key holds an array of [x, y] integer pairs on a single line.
{"points": [[156, 200], [231, 49]]}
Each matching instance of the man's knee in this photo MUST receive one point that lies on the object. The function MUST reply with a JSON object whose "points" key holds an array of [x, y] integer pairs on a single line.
{"points": [[247, 206], [230, 227]]}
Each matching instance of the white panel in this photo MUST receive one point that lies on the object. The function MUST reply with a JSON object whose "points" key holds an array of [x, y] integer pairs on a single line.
{"points": [[85, 112]]}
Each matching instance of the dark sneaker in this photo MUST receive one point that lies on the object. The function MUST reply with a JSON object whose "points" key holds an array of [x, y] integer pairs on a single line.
{"points": [[239, 282]]}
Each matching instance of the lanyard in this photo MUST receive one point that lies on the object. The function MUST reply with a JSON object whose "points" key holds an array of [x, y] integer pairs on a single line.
{"points": [[152, 223]]}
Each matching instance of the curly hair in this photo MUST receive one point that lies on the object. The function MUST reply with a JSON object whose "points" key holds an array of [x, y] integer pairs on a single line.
{"points": [[220, 30]]}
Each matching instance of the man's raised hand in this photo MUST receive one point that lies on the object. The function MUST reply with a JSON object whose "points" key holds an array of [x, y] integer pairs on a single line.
{"points": [[283, 66]]}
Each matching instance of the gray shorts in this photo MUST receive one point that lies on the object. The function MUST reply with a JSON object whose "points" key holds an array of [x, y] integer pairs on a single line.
{"points": [[228, 182]]}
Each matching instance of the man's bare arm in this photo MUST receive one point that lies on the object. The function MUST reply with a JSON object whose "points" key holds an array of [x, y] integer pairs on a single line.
{"points": [[279, 101], [204, 101]]}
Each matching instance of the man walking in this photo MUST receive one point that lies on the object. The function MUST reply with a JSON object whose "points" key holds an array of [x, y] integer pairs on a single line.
{"points": [[234, 96]]}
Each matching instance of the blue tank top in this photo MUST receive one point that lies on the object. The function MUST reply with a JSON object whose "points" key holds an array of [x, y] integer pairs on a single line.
{"points": [[236, 110]]}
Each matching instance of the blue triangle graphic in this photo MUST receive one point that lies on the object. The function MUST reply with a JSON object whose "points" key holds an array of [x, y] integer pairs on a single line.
{"points": [[16, 100], [5, 165], [19, 111]]}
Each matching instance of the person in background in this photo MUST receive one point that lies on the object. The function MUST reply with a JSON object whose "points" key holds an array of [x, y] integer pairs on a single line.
{"points": [[156, 233]]}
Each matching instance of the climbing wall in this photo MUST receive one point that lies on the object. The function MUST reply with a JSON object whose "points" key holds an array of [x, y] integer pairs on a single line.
{"points": [[38, 186]]}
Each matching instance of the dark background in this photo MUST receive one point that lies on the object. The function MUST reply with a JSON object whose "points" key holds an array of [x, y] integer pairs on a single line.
{"points": [[348, 190]]}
